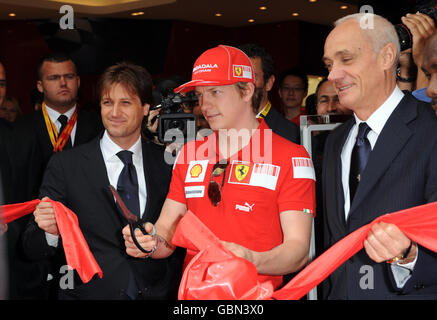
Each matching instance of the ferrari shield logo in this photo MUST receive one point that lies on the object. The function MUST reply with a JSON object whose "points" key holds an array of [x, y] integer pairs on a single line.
{"points": [[241, 171], [238, 71]]}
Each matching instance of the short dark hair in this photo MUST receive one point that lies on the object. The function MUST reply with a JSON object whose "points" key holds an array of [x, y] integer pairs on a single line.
{"points": [[54, 57], [134, 77], [318, 87], [296, 72], [253, 50]]}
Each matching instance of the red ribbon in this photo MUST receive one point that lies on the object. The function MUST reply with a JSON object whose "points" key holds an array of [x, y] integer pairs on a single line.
{"points": [[418, 223], [77, 252]]}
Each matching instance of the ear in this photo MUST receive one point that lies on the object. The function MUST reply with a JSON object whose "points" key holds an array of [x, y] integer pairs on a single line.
{"points": [[39, 86], [249, 92], [146, 108], [387, 56], [78, 82], [269, 83]]}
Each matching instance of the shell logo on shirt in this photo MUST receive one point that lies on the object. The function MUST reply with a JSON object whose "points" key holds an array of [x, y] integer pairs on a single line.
{"points": [[196, 171]]}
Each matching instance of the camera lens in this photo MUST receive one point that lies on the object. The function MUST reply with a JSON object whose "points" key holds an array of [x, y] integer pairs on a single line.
{"points": [[404, 35]]}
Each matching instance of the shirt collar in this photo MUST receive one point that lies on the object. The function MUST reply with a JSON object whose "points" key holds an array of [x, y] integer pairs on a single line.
{"points": [[377, 119], [110, 148], [54, 115]]}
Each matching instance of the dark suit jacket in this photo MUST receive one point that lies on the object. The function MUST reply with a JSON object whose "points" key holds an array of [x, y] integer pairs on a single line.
{"points": [[401, 173], [281, 126], [33, 149], [5, 165], [78, 179]]}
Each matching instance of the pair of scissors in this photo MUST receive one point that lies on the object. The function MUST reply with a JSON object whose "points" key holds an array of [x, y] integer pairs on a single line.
{"points": [[134, 222]]}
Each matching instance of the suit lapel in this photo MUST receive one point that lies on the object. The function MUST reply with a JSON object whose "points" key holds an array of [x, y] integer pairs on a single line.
{"points": [[44, 138], [391, 141], [338, 147]]}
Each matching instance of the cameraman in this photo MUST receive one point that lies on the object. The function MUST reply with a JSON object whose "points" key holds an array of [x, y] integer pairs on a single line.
{"points": [[410, 76]]}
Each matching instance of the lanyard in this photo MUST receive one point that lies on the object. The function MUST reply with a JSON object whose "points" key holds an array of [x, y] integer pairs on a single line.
{"points": [[266, 110], [58, 143]]}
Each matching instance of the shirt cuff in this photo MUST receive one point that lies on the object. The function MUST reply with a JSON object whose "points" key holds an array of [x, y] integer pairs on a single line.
{"points": [[52, 240], [402, 272]]}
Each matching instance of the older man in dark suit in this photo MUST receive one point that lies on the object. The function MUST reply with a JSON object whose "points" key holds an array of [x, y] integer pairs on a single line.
{"points": [[80, 177], [383, 160]]}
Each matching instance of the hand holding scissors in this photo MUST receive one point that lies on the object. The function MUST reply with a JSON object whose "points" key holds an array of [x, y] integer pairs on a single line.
{"points": [[136, 241]]}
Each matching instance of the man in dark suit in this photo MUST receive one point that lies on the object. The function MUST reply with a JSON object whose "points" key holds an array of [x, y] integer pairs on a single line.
{"points": [[37, 137], [263, 66], [80, 177], [37, 134], [381, 161]]}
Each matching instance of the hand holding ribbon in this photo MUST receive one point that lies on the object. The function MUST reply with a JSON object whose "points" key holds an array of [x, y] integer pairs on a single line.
{"points": [[215, 274], [77, 252]]}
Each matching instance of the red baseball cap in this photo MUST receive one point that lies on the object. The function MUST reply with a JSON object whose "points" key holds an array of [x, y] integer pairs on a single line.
{"points": [[222, 65]]}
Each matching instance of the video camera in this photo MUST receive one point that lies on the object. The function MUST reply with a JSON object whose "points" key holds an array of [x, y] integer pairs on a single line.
{"points": [[426, 7], [174, 124]]}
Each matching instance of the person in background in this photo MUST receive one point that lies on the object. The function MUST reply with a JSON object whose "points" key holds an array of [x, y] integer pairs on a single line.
{"points": [[10, 109], [409, 74], [263, 67], [327, 99], [293, 88], [60, 124]]}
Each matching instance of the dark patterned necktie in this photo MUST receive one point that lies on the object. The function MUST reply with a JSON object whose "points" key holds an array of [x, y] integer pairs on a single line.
{"points": [[360, 155], [127, 185]]}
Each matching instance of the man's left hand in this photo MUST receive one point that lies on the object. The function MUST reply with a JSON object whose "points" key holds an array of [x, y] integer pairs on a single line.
{"points": [[239, 251], [385, 241]]}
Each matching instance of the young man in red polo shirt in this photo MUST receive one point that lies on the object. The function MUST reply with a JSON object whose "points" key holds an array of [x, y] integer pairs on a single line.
{"points": [[252, 188]]}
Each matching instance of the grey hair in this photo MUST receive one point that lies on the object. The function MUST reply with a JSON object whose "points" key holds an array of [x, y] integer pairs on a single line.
{"points": [[380, 32]]}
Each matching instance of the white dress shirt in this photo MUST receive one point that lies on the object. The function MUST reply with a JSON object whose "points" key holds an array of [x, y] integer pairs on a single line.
{"points": [[114, 165], [54, 115], [376, 123]]}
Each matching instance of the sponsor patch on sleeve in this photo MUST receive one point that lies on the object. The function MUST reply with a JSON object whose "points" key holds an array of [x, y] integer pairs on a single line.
{"points": [[303, 168]]}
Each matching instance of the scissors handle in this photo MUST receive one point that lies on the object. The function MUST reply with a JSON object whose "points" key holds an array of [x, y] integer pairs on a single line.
{"points": [[138, 225]]}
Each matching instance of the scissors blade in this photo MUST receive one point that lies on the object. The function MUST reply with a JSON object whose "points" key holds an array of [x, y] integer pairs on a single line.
{"points": [[129, 215]]}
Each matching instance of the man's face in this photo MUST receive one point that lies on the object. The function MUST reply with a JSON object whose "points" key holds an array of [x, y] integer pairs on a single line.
{"points": [[292, 92], [353, 67], [259, 80], [122, 114], [8, 111], [327, 100], [222, 106], [59, 84], [429, 67], [2, 84]]}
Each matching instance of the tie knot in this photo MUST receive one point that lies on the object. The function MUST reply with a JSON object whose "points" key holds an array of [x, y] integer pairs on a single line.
{"points": [[363, 130], [125, 156], [63, 119]]}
